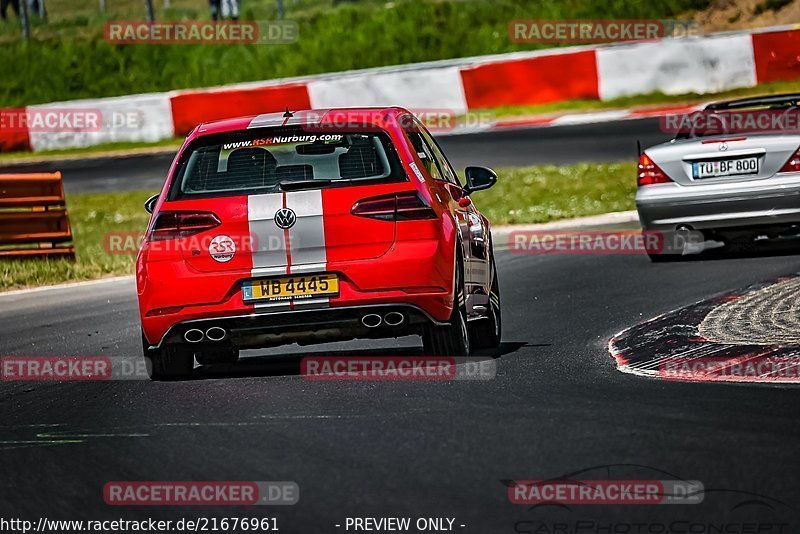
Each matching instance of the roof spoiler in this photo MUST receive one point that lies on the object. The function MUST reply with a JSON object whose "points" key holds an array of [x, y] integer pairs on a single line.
{"points": [[790, 99]]}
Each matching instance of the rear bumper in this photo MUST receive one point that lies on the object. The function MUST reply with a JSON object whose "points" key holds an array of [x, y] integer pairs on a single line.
{"points": [[303, 326], [774, 201], [415, 273]]}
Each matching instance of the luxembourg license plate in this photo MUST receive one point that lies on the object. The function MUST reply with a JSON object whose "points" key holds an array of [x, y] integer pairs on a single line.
{"points": [[291, 287], [724, 167]]}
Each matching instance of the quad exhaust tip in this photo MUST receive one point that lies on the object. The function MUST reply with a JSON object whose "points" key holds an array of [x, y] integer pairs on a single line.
{"points": [[215, 333], [194, 335], [394, 318], [371, 320]]}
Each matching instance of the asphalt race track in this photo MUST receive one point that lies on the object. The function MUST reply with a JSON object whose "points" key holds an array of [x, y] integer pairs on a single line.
{"points": [[610, 141], [409, 448]]}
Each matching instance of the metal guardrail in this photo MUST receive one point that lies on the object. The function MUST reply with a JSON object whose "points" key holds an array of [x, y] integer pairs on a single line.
{"points": [[33, 217]]}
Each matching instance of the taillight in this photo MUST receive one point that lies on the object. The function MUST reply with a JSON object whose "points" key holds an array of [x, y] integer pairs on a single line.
{"points": [[793, 165], [649, 173], [411, 206], [398, 207], [176, 224]]}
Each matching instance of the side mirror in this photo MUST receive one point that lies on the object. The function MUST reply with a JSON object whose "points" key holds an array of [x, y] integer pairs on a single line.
{"points": [[150, 204], [479, 178]]}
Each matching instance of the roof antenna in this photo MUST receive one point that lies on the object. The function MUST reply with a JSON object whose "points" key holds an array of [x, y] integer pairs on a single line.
{"points": [[288, 114]]}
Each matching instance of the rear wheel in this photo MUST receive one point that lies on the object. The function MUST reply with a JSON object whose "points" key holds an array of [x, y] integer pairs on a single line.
{"points": [[452, 339], [486, 332], [167, 363]]}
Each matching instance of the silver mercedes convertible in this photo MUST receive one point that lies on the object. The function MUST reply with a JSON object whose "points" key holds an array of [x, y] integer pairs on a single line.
{"points": [[730, 175]]}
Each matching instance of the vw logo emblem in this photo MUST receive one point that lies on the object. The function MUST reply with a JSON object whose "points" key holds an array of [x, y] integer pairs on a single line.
{"points": [[285, 218], [724, 146]]}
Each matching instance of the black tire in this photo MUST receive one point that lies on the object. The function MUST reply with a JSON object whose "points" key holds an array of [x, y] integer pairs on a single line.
{"points": [[452, 339], [486, 333], [168, 363]]}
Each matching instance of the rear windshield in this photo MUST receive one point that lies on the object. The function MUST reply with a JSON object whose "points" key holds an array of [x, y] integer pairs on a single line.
{"points": [[256, 163]]}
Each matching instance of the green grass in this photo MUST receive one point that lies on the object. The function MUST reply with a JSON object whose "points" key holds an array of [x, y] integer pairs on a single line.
{"points": [[545, 193], [69, 59], [522, 195]]}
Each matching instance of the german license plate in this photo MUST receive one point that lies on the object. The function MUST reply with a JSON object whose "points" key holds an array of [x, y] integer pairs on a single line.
{"points": [[291, 287], [724, 167]]}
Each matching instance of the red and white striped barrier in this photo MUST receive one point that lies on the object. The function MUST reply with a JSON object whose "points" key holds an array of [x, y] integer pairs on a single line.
{"points": [[677, 66], [706, 64]]}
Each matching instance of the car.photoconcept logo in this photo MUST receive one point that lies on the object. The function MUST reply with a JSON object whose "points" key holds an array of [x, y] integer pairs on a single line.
{"points": [[285, 218]]}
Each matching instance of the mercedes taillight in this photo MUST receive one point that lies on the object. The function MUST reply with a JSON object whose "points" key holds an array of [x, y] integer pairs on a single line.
{"points": [[649, 173]]}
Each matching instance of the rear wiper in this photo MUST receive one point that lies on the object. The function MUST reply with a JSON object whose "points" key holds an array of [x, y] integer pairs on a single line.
{"points": [[290, 185]]}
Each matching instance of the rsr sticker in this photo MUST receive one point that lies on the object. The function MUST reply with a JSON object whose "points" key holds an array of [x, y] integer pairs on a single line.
{"points": [[222, 248]]}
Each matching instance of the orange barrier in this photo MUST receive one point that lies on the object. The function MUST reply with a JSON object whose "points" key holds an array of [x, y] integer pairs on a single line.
{"points": [[14, 136], [777, 55], [535, 80], [33, 211], [190, 108]]}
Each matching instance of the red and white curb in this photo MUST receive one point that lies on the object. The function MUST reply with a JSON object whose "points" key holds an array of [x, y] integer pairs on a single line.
{"points": [[671, 346]]}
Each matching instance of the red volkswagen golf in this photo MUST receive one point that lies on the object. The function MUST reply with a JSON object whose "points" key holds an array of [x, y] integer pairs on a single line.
{"points": [[311, 227]]}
